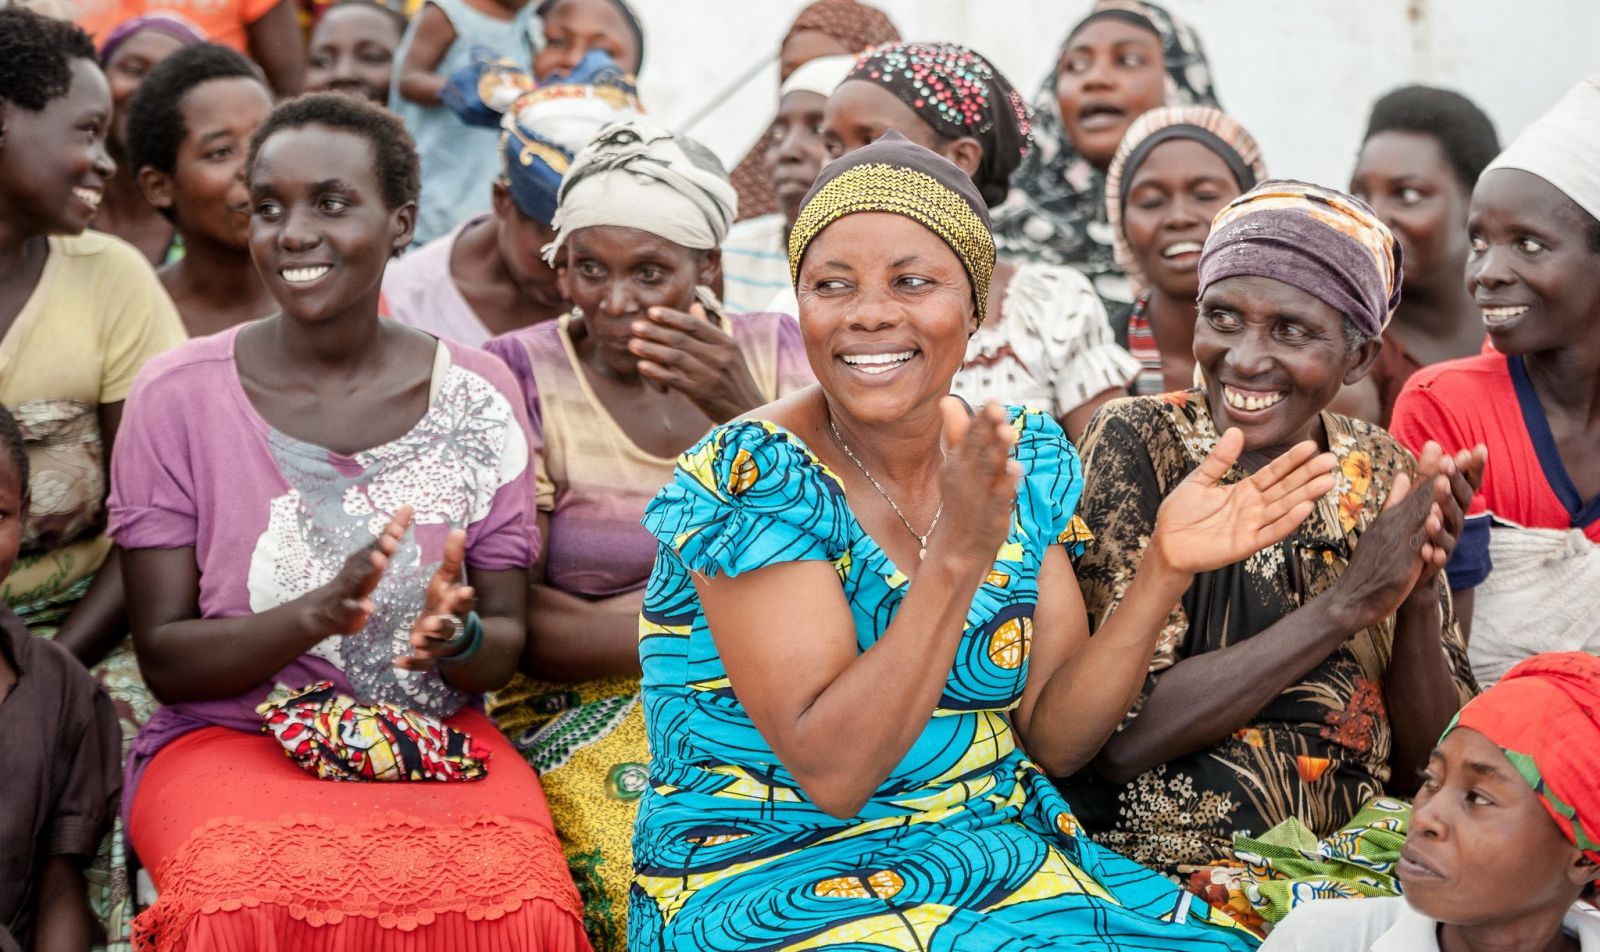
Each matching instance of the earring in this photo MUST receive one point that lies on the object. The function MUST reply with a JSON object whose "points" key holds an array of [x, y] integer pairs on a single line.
{"points": [[577, 313]]}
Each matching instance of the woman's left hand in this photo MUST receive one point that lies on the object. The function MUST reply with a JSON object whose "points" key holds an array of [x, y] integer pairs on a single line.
{"points": [[446, 595], [690, 354], [1204, 524]]}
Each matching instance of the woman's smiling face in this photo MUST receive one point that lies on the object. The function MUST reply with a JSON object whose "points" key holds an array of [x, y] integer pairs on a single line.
{"points": [[1273, 356], [1533, 268], [320, 232], [885, 310]]}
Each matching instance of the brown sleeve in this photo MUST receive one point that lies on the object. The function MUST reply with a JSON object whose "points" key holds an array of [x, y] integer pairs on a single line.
{"points": [[93, 784]]}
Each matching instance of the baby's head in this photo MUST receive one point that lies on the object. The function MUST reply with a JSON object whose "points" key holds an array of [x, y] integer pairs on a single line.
{"points": [[13, 490]]}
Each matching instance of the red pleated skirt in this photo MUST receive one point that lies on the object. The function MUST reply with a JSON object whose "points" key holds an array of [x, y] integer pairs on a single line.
{"points": [[249, 852]]}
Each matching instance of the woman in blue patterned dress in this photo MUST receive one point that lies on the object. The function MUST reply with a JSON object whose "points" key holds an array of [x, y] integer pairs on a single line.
{"points": [[840, 670]]}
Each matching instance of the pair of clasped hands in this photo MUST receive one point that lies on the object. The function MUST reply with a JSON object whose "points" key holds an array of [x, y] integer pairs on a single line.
{"points": [[345, 603], [1204, 524]]}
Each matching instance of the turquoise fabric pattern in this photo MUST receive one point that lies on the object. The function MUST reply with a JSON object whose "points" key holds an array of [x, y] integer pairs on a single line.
{"points": [[966, 846]]}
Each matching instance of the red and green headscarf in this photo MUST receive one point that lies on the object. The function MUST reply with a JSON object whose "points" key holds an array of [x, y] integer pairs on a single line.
{"points": [[1545, 715]]}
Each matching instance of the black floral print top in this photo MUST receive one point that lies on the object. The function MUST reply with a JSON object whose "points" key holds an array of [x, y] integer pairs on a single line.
{"points": [[1322, 747]]}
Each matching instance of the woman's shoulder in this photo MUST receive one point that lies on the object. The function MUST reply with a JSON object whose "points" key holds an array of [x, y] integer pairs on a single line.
{"points": [[733, 459], [1463, 376], [1051, 293], [192, 367], [750, 494]]}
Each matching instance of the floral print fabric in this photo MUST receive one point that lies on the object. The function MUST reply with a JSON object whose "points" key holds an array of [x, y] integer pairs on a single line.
{"points": [[1317, 752]]}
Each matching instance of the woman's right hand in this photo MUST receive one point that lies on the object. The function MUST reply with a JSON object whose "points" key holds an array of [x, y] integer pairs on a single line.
{"points": [[1203, 524], [343, 605], [978, 481]]}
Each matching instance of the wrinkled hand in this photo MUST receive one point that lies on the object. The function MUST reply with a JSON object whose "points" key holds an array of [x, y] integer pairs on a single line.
{"points": [[978, 481], [1455, 479], [1203, 525], [1393, 553], [446, 595], [690, 354], [344, 605]]}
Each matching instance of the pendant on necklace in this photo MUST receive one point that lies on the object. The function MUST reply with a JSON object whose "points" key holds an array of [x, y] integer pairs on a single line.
{"points": [[922, 553]]}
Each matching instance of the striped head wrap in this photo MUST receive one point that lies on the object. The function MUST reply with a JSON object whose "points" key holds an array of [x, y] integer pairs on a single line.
{"points": [[1324, 242], [1212, 128], [895, 176], [958, 93], [1545, 715]]}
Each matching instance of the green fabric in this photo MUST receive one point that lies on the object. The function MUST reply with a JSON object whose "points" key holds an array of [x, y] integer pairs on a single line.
{"points": [[1288, 865]]}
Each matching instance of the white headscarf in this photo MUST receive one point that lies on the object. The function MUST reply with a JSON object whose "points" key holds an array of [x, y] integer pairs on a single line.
{"points": [[821, 75], [636, 175], [1563, 146]]}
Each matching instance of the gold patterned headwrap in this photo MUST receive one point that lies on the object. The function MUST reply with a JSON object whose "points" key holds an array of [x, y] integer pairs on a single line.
{"points": [[895, 176]]}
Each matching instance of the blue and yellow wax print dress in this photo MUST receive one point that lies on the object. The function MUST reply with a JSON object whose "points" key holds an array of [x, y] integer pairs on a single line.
{"points": [[966, 846]]}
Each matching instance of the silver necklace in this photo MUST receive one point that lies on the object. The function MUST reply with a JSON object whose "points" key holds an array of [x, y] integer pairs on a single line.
{"points": [[921, 537]]}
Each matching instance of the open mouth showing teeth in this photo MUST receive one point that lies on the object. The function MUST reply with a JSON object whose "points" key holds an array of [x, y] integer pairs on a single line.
{"points": [[1181, 248], [88, 196], [304, 275], [877, 363], [1499, 315], [1251, 399]]}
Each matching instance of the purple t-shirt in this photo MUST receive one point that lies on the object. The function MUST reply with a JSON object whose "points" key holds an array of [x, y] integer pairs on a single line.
{"points": [[270, 517]]}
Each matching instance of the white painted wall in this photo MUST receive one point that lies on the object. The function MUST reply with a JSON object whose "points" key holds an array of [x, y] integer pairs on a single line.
{"points": [[1300, 74]]}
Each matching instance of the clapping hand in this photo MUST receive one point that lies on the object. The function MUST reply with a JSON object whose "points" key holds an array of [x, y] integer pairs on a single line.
{"points": [[1455, 480], [445, 605], [978, 479], [344, 605], [1203, 524]]}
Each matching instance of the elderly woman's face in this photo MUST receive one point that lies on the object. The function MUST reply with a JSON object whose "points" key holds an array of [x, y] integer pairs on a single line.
{"points": [[1532, 268], [795, 149], [1170, 202], [1273, 357], [1475, 812], [885, 310], [616, 274]]}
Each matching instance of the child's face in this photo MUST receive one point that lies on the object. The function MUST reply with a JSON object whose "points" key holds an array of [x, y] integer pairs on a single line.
{"points": [[13, 513]]}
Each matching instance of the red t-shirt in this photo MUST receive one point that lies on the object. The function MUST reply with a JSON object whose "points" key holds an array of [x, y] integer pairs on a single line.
{"points": [[1488, 399]]}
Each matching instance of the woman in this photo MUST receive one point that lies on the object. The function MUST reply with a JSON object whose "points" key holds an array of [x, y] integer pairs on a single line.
{"points": [[812, 587], [1122, 60], [755, 266], [608, 421], [822, 28], [352, 49], [1420, 159], [67, 292], [1048, 346], [1176, 168], [1316, 673], [1533, 552], [488, 276], [127, 55], [1502, 853], [569, 30], [302, 574], [191, 122]]}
